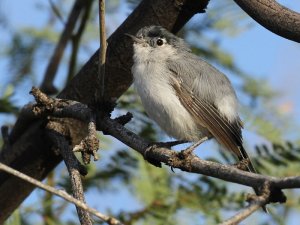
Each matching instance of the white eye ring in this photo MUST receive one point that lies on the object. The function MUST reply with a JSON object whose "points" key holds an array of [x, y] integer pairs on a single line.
{"points": [[159, 42]]}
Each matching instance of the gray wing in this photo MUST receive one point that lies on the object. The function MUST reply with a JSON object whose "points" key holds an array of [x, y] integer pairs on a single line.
{"points": [[200, 104], [199, 100], [205, 81]]}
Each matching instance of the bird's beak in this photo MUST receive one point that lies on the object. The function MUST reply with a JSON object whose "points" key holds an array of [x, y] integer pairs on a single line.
{"points": [[135, 39]]}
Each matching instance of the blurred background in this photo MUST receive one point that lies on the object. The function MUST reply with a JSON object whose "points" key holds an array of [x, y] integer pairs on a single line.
{"points": [[263, 67]]}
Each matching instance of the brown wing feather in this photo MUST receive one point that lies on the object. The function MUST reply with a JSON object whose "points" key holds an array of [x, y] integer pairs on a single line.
{"points": [[206, 115]]}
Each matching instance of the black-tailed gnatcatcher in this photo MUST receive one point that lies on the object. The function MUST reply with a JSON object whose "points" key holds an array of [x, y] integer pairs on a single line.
{"points": [[187, 97]]}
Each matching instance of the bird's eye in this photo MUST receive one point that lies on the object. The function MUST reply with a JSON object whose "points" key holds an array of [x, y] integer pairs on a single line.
{"points": [[159, 42]]}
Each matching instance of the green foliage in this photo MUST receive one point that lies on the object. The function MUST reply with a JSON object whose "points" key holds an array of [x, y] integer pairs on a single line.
{"points": [[14, 219], [284, 156], [6, 103]]}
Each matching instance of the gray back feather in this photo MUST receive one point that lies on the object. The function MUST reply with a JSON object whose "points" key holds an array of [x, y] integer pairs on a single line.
{"points": [[204, 80]]}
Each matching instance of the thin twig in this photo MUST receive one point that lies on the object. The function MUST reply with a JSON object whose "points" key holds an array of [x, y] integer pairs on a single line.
{"points": [[76, 39], [73, 167], [47, 84], [103, 46], [256, 203], [56, 11], [60, 193], [48, 203]]}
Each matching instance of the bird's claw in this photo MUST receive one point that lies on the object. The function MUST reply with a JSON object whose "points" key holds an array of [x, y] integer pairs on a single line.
{"points": [[153, 161], [186, 152]]}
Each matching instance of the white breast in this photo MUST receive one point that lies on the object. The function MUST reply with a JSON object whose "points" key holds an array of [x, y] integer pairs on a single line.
{"points": [[151, 80]]}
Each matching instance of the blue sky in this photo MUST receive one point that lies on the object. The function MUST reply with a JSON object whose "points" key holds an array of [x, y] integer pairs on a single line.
{"points": [[256, 51]]}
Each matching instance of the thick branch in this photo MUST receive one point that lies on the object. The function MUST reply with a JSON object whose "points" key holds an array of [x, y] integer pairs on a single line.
{"points": [[273, 16]]}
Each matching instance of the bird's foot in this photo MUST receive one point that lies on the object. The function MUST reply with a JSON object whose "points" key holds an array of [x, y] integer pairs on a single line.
{"points": [[189, 150], [242, 165], [155, 145], [148, 151]]}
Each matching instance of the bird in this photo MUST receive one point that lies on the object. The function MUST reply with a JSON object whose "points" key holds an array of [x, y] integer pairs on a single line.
{"points": [[186, 96]]}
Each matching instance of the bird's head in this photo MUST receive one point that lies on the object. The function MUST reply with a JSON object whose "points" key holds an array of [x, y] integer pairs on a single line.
{"points": [[156, 43]]}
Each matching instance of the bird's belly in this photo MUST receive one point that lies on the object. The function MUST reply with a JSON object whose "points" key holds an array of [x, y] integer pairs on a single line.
{"points": [[163, 106]]}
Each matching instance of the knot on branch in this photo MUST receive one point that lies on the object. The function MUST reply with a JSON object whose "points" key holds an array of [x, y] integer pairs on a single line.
{"points": [[70, 109], [268, 194], [264, 195], [150, 151], [277, 195], [153, 150], [44, 103], [88, 147], [182, 160], [272, 193]]}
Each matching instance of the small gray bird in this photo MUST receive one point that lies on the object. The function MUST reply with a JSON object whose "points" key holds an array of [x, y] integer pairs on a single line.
{"points": [[188, 98]]}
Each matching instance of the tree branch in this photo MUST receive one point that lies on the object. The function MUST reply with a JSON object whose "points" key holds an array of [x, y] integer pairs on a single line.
{"points": [[47, 106], [74, 168], [56, 11], [273, 16], [102, 52], [47, 85], [256, 202], [75, 39], [60, 193]]}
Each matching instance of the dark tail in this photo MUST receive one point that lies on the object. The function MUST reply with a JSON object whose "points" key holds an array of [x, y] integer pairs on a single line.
{"points": [[250, 168], [244, 155]]}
